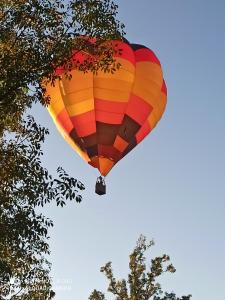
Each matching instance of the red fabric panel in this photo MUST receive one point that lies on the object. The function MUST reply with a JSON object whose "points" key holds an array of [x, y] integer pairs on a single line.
{"points": [[110, 106], [145, 54], [109, 118], [64, 120], [94, 162], [164, 88], [86, 129], [144, 130], [59, 71], [77, 56], [84, 123], [109, 152], [138, 109], [127, 52]]}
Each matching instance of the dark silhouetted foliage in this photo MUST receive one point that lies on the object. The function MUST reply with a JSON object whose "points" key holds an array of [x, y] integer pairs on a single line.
{"points": [[37, 36], [142, 281], [25, 186]]}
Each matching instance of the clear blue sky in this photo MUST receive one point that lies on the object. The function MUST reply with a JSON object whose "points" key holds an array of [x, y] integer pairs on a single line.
{"points": [[181, 201]]}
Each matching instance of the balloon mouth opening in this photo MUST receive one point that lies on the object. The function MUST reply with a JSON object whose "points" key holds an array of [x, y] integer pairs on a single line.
{"points": [[103, 164]]}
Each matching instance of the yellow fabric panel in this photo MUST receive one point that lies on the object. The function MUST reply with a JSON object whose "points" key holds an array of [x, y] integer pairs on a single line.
{"points": [[126, 64], [78, 92], [147, 90], [163, 98], [152, 119], [70, 99], [125, 72], [112, 95], [80, 107], [157, 111], [120, 74], [117, 86], [148, 83], [113, 84], [79, 81], [149, 71], [52, 113], [56, 103]]}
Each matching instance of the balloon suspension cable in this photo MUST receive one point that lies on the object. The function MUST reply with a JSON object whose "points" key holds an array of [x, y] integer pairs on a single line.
{"points": [[100, 187]]}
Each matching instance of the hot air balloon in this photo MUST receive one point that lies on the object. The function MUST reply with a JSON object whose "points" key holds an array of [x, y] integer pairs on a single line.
{"points": [[104, 116]]}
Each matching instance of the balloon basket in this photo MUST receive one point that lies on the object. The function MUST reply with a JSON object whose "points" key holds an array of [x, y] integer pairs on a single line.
{"points": [[100, 187]]}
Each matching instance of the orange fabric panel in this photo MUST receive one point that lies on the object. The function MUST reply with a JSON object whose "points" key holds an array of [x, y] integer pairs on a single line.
{"points": [[105, 165], [64, 120], [125, 65], [148, 91], [111, 95], [148, 85], [56, 102], [152, 120], [120, 144], [80, 107], [124, 73], [78, 82], [113, 84], [79, 96], [150, 72]]}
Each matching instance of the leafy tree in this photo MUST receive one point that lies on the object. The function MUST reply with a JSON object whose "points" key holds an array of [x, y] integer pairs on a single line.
{"points": [[141, 284], [26, 185], [36, 37], [39, 35]]}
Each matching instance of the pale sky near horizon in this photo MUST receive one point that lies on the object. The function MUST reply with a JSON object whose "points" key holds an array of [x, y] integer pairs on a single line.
{"points": [[171, 187]]}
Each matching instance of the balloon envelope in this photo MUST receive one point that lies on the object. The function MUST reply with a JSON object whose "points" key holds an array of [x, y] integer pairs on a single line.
{"points": [[104, 116]]}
